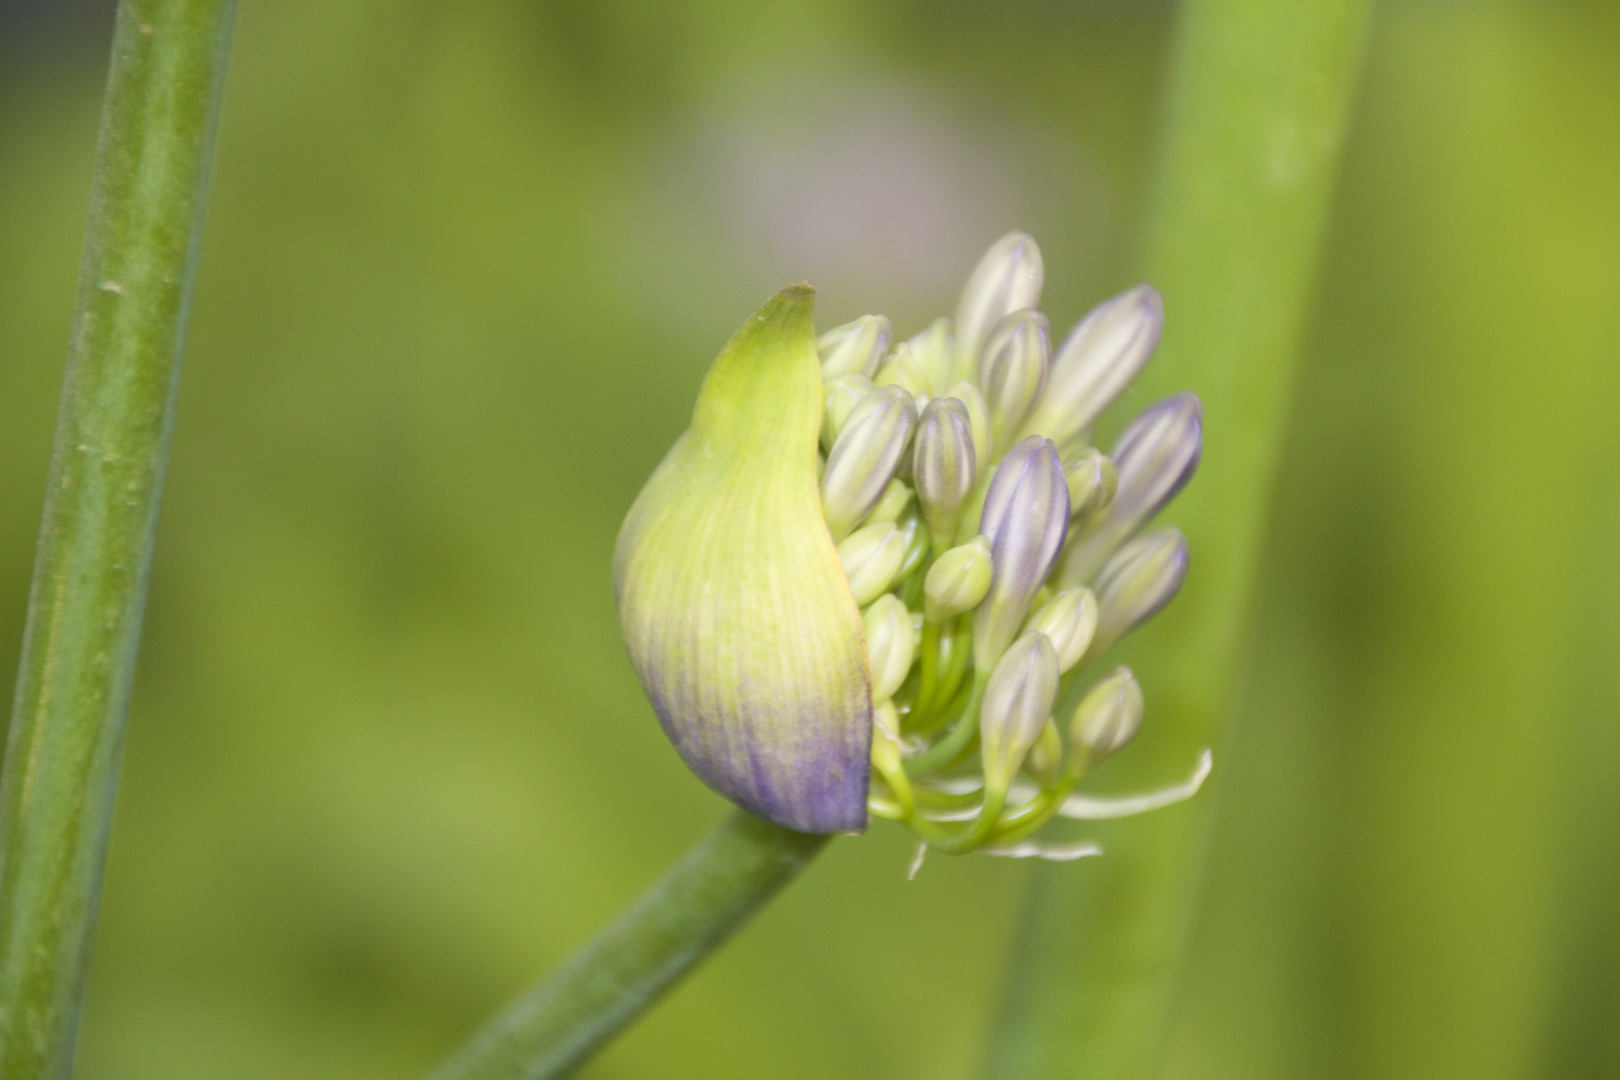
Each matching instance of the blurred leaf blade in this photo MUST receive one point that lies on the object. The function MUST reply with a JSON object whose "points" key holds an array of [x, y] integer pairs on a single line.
{"points": [[1260, 99]]}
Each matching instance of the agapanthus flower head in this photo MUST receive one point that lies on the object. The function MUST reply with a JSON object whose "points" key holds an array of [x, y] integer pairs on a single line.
{"points": [[885, 628]]}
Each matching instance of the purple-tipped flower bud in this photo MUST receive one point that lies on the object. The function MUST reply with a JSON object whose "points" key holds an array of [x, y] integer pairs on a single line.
{"points": [[1096, 361], [1155, 457], [902, 370], [856, 347], [1007, 279], [1013, 372], [890, 645], [864, 458], [958, 581], [1017, 704], [1069, 619], [871, 557], [1092, 482], [944, 466], [978, 420], [933, 350], [1026, 515], [735, 609], [1107, 718], [1134, 585], [842, 395]]}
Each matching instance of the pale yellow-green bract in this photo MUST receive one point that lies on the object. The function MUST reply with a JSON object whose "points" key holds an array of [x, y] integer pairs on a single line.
{"points": [[731, 596]]}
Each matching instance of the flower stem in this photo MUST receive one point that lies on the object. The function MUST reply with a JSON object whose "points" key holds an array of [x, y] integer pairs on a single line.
{"points": [[681, 920], [84, 611], [1259, 104]]}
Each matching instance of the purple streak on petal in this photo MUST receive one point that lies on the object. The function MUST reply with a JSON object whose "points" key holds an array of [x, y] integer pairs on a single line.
{"points": [[1026, 515]]}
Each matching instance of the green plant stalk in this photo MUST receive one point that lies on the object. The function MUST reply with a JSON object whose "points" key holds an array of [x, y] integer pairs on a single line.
{"points": [[674, 926], [95, 548], [1258, 105]]}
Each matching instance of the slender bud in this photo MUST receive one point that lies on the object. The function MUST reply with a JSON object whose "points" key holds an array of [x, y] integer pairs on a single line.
{"points": [[1069, 619], [842, 394], [1026, 516], [871, 557], [917, 544], [944, 466], [1017, 704], [978, 420], [889, 645], [932, 350], [894, 503], [745, 636], [957, 581], [1092, 482], [1156, 457], [1106, 719], [902, 370], [1099, 358], [1008, 278], [1141, 578], [1013, 371], [855, 347], [864, 458], [1045, 761]]}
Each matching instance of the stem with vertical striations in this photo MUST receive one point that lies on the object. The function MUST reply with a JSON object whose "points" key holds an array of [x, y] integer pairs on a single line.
{"points": [[1258, 108], [84, 612], [680, 921]]}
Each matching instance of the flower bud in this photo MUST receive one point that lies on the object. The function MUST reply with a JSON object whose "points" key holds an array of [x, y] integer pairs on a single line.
{"points": [[1017, 704], [896, 499], [1013, 372], [871, 557], [944, 466], [932, 350], [1156, 456], [1069, 619], [1141, 578], [1007, 279], [917, 544], [1025, 517], [855, 347], [842, 395], [863, 460], [902, 370], [889, 645], [745, 636], [978, 420], [957, 581], [1096, 361], [1107, 718], [1045, 761], [1092, 482]]}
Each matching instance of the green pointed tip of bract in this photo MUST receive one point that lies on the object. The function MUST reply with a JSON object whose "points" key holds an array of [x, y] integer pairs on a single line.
{"points": [[731, 596]]}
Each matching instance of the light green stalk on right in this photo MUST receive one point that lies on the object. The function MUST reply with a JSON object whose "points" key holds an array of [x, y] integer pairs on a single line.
{"points": [[1260, 99]]}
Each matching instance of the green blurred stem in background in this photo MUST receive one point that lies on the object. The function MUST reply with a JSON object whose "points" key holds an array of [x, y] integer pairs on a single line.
{"points": [[95, 548], [686, 916], [1260, 98]]}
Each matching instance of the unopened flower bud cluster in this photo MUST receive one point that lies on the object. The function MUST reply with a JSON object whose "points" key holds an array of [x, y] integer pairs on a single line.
{"points": [[994, 552]]}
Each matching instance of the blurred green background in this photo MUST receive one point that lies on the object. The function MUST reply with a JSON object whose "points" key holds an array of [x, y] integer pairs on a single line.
{"points": [[465, 265]]}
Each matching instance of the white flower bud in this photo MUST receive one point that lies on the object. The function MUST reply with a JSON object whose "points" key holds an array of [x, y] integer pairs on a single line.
{"points": [[1096, 361], [932, 349], [871, 557], [1007, 279], [1070, 620], [1092, 481], [865, 457], [1045, 761], [978, 421], [894, 503], [1013, 373], [842, 395], [1017, 704], [1141, 578], [889, 645], [943, 464], [1107, 718], [902, 370], [855, 347], [957, 581]]}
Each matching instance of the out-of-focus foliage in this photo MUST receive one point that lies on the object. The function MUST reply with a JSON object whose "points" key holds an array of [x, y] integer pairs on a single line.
{"points": [[464, 269]]}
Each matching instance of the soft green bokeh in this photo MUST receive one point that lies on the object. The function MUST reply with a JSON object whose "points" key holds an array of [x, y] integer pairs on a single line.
{"points": [[465, 266]]}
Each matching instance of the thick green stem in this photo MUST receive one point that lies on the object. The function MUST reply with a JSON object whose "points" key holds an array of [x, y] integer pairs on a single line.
{"points": [[84, 613], [1258, 107], [680, 921]]}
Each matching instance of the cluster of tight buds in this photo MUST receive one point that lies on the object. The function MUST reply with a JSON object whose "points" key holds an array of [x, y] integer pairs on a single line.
{"points": [[862, 581]]}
